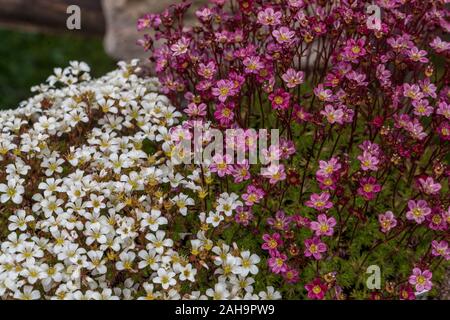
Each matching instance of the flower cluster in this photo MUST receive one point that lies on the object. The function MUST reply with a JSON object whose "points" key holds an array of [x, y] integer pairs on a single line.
{"points": [[92, 206], [361, 173]]}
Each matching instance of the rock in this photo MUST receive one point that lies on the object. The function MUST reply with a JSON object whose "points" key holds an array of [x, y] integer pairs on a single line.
{"points": [[121, 17]]}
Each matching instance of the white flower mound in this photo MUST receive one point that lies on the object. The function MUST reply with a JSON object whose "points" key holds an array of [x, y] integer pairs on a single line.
{"points": [[87, 213]]}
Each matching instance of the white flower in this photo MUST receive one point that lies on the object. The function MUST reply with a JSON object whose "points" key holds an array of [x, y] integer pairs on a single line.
{"points": [[27, 294], [17, 168], [153, 220], [12, 190], [53, 273], [32, 273], [19, 221], [227, 203], [158, 241], [28, 252], [219, 292], [165, 278], [53, 165], [96, 232], [50, 186], [270, 294], [229, 267], [126, 261], [96, 202], [89, 183], [248, 264], [97, 261], [117, 163], [188, 273], [182, 201], [214, 218], [149, 259], [150, 295], [241, 283], [51, 205]]}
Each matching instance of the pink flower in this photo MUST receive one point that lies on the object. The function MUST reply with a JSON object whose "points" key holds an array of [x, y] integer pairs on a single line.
{"points": [[223, 36], [387, 221], [412, 91], [428, 186], [327, 182], [253, 195], [316, 289], [370, 147], [224, 114], [327, 168], [272, 242], [269, 17], [319, 201], [243, 215], [248, 141], [287, 148], [384, 75], [296, 3], [274, 173], [440, 249], [359, 79], [204, 14], [301, 221], [241, 172], [300, 115], [194, 110], [417, 55], [272, 154], [421, 280], [323, 94], [280, 99], [415, 129], [368, 187], [277, 262], [223, 90], [354, 49], [208, 70], [283, 35], [253, 64], [436, 220], [368, 161], [221, 165], [428, 88], [323, 226], [180, 47], [144, 22], [422, 108], [418, 210], [293, 78], [332, 114], [444, 109], [291, 276], [280, 222], [314, 247], [406, 292], [444, 131], [439, 45]]}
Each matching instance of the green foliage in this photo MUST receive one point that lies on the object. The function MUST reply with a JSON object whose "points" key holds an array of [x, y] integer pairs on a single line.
{"points": [[26, 59]]}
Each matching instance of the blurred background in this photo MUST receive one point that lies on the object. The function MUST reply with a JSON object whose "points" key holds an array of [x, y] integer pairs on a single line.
{"points": [[35, 39], [28, 58]]}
